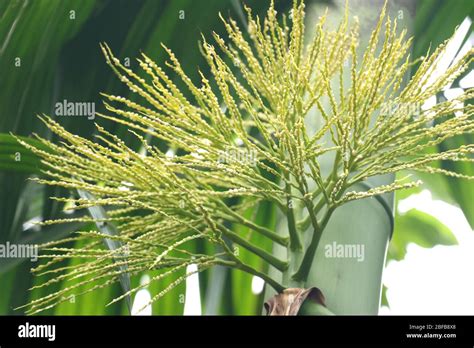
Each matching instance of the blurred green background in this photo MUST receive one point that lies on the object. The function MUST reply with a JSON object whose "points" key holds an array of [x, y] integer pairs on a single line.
{"points": [[49, 51]]}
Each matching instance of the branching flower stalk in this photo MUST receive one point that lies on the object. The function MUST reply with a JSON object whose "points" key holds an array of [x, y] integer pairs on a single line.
{"points": [[264, 86]]}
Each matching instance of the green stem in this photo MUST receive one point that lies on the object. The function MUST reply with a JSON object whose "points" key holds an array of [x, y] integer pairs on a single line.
{"points": [[295, 240], [275, 285], [282, 240], [304, 223], [306, 263], [243, 267], [308, 258], [272, 260]]}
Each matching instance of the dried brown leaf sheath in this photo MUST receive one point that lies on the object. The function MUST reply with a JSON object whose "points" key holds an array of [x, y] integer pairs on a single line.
{"points": [[290, 300]]}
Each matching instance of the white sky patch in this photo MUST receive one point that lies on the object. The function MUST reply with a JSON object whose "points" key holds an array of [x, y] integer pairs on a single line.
{"points": [[466, 24], [434, 281], [429, 103], [257, 285], [32, 224], [192, 304], [454, 52], [238, 142], [170, 153], [451, 53], [453, 93], [468, 80], [142, 298]]}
